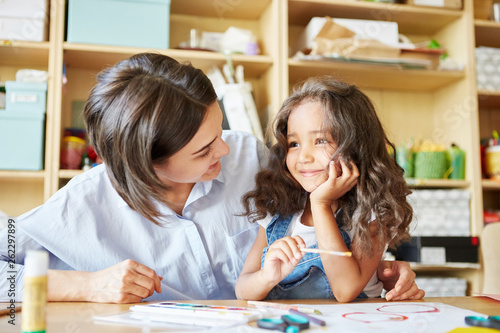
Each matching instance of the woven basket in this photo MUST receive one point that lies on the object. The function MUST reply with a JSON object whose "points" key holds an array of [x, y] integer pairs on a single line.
{"points": [[431, 164]]}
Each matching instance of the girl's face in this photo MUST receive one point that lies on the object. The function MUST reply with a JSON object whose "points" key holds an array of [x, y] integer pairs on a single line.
{"points": [[309, 149], [199, 160]]}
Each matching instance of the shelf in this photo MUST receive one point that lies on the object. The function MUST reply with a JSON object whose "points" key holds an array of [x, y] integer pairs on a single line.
{"points": [[487, 33], [375, 76], [488, 99], [436, 183], [20, 175], [418, 267], [410, 19], [101, 56], [68, 174], [244, 10], [18, 53], [490, 185]]}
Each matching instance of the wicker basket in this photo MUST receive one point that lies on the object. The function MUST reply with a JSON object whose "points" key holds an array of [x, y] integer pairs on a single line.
{"points": [[431, 164]]}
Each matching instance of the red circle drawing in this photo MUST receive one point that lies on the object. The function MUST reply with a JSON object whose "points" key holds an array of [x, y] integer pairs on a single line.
{"points": [[373, 317], [408, 308]]}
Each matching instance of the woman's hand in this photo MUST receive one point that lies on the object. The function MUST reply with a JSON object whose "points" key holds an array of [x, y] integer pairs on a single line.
{"points": [[282, 257], [399, 281], [340, 180], [125, 282]]}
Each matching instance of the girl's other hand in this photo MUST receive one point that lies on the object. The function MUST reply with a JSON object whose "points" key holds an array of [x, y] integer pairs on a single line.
{"points": [[341, 178], [282, 257]]}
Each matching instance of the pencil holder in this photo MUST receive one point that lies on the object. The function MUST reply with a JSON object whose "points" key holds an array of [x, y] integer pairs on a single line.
{"points": [[431, 164]]}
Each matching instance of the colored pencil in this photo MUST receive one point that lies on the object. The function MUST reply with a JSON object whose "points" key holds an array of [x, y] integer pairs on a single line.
{"points": [[335, 253], [284, 307], [315, 320]]}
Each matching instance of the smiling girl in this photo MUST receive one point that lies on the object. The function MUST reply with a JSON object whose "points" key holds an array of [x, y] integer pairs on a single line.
{"points": [[332, 185]]}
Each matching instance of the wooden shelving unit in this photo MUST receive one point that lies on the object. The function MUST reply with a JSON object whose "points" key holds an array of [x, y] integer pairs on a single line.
{"points": [[410, 19], [368, 76], [487, 32], [490, 185], [426, 104], [93, 57], [417, 267], [437, 183]]}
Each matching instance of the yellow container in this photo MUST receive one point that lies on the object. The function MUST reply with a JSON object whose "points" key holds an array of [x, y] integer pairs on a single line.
{"points": [[492, 160]]}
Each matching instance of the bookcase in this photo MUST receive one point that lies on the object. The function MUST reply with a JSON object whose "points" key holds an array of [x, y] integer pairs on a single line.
{"points": [[440, 105], [487, 33]]}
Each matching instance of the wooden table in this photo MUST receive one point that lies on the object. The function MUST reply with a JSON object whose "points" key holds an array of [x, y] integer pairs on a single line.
{"points": [[76, 317]]}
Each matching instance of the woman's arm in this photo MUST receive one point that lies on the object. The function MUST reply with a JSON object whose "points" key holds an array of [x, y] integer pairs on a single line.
{"points": [[399, 281], [283, 255], [125, 282]]}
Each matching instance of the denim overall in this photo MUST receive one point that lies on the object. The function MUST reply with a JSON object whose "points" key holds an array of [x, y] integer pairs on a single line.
{"points": [[308, 279]]}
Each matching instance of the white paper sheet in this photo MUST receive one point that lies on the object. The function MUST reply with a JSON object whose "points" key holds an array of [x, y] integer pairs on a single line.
{"points": [[387, 317], [397, 317]]}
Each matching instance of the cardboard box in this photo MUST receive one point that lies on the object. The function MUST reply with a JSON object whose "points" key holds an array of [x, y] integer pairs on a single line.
{"points": [[452, 4], [25, 20], [333, 28], [22, 140], [135, 23]]}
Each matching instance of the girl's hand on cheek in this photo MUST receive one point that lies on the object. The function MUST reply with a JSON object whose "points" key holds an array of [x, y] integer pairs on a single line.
{"points": [[340, 180], [282, 257]]}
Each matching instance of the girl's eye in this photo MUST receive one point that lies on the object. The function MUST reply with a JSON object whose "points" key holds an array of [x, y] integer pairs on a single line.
{"points": [[321, 141], [293, 145]]}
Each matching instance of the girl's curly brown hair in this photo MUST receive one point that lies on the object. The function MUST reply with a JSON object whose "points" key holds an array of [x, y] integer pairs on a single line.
{"points": [[352, 122]]}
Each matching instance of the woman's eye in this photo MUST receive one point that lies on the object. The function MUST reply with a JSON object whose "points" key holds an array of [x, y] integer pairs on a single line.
{"points": [[293, 144], [209, 150]]}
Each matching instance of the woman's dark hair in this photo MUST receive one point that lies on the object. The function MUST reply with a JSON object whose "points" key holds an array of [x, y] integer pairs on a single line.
{"points": [[142, 111], [352, 122]]}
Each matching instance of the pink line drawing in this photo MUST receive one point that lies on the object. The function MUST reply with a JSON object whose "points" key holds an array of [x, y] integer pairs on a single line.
{"points": [[374, 317], [408, 308]]}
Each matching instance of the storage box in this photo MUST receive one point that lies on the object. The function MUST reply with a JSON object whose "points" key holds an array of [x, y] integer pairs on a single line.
{"points": [[24, 20], [440, 212], [442, 286], [452, 4], [26, 96], [21, 140], [439, 250], [136, 23]]}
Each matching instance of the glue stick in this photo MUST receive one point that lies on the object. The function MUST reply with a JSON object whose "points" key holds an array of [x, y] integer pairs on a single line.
{"points": [[36, 265]]}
